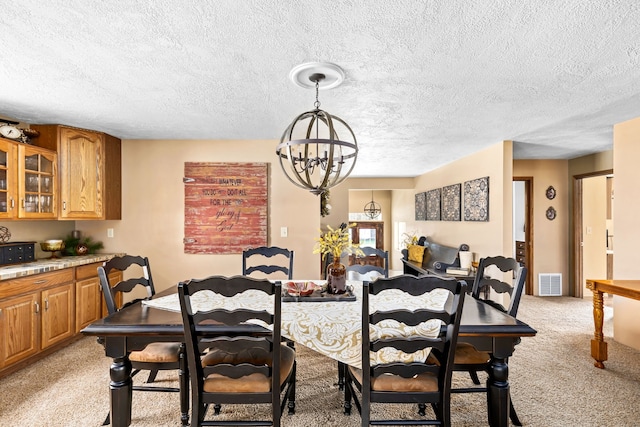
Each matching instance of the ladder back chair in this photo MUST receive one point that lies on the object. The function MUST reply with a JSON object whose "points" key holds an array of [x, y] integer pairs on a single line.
{"points": [[367, 271], [156, 356], [468, 358], [407, 381], [250, 266], [232, 360]]}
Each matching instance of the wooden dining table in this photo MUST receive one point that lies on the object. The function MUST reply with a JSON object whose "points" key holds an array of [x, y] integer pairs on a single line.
{"points": [[625, 288], [133, 327]]}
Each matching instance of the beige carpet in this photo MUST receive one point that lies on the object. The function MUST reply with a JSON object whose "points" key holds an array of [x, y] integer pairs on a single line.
{"points": [[553, 380]]}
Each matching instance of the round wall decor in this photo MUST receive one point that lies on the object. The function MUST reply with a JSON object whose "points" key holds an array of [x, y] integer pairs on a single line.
{"points": [[551, 213], [551, 193]]}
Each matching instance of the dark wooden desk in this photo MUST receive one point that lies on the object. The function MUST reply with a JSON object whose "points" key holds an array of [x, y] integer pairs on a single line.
{"points": [[625, 288], [133, 327]]}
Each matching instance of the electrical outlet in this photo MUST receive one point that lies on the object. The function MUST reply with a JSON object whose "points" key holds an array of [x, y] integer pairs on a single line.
{"points": [[109, 232], [283, 232]]}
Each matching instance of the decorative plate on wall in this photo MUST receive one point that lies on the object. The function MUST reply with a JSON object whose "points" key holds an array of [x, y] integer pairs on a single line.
{"points": [[551, 193], [551, 213]]}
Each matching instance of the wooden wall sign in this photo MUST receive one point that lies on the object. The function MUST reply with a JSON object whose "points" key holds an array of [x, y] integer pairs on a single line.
{"points": [[225, 207]]}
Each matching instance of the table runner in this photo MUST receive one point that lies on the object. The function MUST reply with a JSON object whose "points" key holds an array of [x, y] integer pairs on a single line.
{"points": [[331, 328]]}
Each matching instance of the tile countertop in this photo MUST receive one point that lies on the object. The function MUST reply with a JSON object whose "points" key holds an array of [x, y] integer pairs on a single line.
{"points": [[46, 264]]}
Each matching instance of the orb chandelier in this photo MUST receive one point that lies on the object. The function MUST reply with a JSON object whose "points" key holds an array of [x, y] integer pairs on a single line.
{"points": [[372, 209], [317, 150]]}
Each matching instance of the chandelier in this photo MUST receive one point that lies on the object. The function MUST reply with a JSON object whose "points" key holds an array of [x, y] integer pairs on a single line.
{"points": [[372, 209], [312, 151]]}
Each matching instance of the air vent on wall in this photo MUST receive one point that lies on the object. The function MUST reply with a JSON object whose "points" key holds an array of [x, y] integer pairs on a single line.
{"points": [[550, 284]]}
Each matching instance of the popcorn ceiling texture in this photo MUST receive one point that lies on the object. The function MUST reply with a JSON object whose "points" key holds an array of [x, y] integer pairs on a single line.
{"points": [[431, 80]]}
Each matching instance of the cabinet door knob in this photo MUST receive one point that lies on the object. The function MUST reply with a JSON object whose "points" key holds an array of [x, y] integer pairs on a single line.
{"points": [[37, 307], [46, 304], [64, 206]]}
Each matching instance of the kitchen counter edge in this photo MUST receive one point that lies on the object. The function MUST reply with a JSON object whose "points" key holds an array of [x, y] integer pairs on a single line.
{"points": [[47, 264]]}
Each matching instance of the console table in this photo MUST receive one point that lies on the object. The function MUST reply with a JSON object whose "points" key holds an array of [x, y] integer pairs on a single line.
{"points": [[624, 288]]}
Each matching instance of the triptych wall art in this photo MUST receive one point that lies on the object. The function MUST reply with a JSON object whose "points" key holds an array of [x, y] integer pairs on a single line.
{"points": [[446, 203]]}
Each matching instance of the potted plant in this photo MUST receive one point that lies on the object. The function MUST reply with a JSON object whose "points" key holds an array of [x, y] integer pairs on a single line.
{"points": [[335, 242]]}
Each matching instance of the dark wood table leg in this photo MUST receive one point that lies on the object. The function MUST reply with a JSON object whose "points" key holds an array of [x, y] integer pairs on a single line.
{"points": [[598, 346], [183, 377], [121, 391], [341, 372], [498, 393]]}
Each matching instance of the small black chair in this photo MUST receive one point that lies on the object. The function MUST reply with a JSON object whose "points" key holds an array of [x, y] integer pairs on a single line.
{"points": [[232, 360], [407, 382], [366, 271], [468, 358], [156, 356], [285, 267]]}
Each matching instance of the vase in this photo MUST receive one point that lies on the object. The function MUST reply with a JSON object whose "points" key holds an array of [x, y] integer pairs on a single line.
{"points": [[336, 278]]}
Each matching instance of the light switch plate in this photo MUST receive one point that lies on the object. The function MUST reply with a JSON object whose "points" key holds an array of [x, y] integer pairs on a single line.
{"points": [[283, 232]]}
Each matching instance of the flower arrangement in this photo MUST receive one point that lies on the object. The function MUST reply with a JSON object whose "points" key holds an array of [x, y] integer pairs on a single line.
{"points": [[336, 241]]}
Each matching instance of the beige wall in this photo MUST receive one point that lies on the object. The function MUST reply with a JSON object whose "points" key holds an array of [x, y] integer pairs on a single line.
{"points": [[38, 231], [626, 152], [484, 238], [153, 209], [550, 238]]}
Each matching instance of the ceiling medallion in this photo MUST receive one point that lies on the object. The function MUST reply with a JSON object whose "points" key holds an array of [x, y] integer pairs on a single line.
{"points": [[317, 150]]}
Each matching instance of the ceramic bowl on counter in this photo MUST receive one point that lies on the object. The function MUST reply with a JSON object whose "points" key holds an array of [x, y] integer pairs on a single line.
{"points": [[52, 245]]}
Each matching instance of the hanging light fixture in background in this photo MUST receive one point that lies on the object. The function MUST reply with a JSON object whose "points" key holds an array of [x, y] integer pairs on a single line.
{"points": [[372, 209], [317, 150]]}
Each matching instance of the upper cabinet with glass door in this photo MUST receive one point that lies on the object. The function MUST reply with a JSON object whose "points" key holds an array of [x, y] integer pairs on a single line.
{"points": [[8, 175], [36, 182]]}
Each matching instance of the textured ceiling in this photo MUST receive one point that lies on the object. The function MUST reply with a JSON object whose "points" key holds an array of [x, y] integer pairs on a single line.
{"points": [[426, 82]]}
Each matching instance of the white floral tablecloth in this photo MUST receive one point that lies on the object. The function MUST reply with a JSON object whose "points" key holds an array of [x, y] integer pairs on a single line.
{"points": [[332, 328]]}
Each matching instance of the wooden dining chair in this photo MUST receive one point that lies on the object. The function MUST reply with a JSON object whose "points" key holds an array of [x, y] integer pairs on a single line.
{"points": [[156, 356], [468, 358], [257, 261], [368, 271], [407, 381], [234, 361]]}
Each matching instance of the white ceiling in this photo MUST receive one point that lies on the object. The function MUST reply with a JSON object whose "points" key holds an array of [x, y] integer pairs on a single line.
{"points": [[426, 82]]}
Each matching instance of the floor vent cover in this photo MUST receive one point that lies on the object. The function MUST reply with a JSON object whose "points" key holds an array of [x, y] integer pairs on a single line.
{"points": [[550, 284]]}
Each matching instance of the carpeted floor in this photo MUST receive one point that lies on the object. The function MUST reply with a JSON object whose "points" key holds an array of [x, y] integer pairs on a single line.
{"points": [[553, 383]]}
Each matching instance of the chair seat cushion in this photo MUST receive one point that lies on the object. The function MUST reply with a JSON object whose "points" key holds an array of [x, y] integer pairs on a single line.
{"points": [[157, 352], [466, 354], [256, 383], [425, 382]]}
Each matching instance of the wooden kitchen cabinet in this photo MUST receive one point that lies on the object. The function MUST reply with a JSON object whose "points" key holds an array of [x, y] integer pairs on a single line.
{"points": [[28, 179], [36, 313], [57, 314], [90, 305], [89, 171], [19, 328], [37, 180], [8, 179]]}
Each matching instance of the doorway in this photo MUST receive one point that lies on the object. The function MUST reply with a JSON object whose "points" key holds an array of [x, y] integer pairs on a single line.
{"points": [[523, 226], [593, 229]]}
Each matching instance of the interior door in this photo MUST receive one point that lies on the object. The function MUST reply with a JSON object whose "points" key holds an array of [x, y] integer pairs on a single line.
{"points": [[368, 234]]}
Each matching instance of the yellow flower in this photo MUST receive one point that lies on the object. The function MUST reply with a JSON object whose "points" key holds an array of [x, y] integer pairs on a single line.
{"points": [[336, 242]]}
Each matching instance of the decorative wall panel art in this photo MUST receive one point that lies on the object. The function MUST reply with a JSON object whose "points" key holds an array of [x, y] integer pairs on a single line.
{"points": [[476, 199], [421, 206], [433, 205], [451, 202], [225, 207]]}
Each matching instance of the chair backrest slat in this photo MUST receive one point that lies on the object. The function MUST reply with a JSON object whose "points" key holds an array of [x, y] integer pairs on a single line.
{"points": [[513, 289], [267, 251], [124, 264]]}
